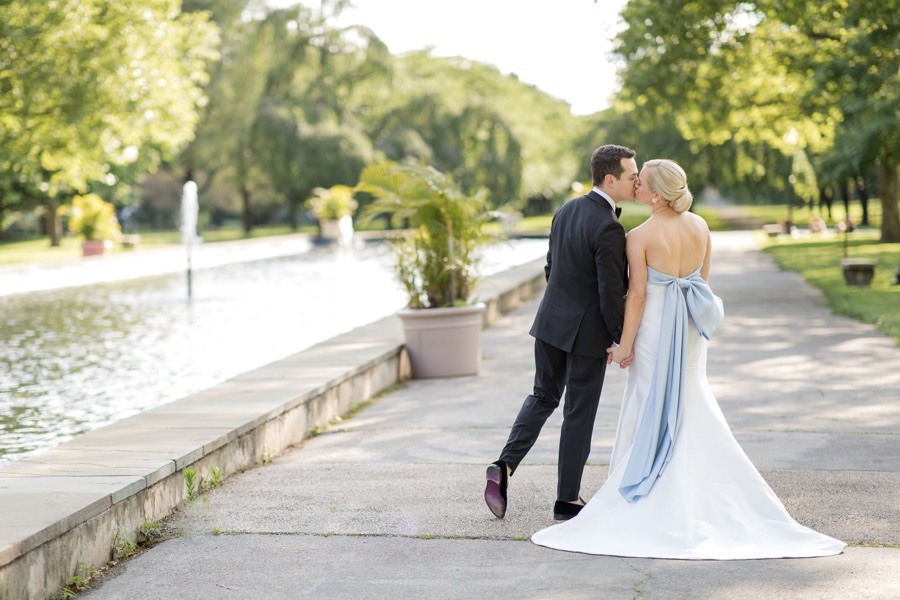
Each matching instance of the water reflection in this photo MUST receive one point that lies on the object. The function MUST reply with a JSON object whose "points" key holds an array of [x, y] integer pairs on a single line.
{"points": [[74, 359]]}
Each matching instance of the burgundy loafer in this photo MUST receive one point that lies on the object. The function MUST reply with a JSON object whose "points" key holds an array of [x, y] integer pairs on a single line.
{"points": [[495, 490]]}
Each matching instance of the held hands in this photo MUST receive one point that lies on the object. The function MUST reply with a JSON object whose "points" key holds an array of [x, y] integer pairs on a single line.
{"points": [[618, 354]]}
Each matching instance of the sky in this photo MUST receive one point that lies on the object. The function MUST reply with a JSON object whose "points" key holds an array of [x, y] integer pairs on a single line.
{"points": [[562, 47]]}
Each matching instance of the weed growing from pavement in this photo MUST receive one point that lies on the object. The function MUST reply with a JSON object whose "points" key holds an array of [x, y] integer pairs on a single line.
{"points": [[190, 481], [214, 479], [197, 484], [149, 534], [149, 531], [123, 548], [78, 582]]}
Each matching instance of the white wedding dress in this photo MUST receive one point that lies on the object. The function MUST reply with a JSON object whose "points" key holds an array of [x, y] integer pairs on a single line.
{"points": [[708, 500]]}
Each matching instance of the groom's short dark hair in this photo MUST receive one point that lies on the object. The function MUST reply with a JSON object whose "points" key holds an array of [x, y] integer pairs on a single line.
{"points": [[607, 160]]}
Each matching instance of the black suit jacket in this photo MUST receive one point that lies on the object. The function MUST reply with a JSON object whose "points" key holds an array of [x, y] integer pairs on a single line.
{"points": [[584, 304]]}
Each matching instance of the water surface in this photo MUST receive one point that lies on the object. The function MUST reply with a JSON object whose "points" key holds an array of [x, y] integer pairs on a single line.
{"points": [[78, 358]]}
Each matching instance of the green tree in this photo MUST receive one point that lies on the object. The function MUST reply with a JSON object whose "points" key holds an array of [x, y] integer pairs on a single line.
{"points": [[81, 81], [784, 75], [491, 156], [236, 88], [854, 58], [284, 104], [531, 136], [296, 158]]}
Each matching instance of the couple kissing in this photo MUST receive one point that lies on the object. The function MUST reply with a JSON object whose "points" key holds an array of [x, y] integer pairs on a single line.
{"points": [[679, 484]]}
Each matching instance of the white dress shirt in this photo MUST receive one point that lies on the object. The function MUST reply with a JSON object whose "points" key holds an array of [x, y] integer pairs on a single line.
{"points": [[608, 199]]}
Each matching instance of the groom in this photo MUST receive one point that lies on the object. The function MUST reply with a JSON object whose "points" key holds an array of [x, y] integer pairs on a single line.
{"points": [[580, 316]]}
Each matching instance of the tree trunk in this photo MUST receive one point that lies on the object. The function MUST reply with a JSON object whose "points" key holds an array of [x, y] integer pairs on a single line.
{"points": [[52, 217], [846, 200], [864, 200], [3, 209], [890, 211], [242, 168], [293, 209], [246, 213], [826, 197]]}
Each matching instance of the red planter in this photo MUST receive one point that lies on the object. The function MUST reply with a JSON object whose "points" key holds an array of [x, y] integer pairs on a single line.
{"points": [[92, 247]]}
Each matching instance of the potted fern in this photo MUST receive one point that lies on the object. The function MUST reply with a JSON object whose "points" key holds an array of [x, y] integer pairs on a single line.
{"points": [[95, 221], [436, 261]]}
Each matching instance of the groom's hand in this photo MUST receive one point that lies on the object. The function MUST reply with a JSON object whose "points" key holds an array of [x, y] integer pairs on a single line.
{"points": [[617, 354]]}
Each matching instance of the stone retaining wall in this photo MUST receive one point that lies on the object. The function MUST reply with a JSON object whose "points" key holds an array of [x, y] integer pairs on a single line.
{"points": [[66, 507]]}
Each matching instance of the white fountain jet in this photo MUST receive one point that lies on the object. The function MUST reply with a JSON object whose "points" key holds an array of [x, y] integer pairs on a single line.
{"points": [[189, 209]]}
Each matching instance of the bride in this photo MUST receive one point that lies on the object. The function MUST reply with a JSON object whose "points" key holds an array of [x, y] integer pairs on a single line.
{"points": [[679, 485]]}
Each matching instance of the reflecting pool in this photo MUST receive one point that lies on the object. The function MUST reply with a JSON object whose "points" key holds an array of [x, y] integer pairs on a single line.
{"points": [[78, 358]]}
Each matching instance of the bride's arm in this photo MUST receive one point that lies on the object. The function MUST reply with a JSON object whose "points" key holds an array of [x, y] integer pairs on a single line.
{"points": [[635, 250], [707, 260]]}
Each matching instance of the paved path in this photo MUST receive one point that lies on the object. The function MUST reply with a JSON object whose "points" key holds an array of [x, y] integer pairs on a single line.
{"points": [[733, 214], [387, 504]]}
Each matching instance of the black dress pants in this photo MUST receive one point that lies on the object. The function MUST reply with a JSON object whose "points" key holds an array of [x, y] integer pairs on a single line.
{"points": [[582, 379]]}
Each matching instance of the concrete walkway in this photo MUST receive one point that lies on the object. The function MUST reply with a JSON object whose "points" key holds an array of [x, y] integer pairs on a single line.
{"points": [[387, 504]]}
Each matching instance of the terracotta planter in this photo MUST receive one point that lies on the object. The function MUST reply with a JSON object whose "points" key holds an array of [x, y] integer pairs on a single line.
{"points": [[858, 271], [92, 247], [443, 342]]}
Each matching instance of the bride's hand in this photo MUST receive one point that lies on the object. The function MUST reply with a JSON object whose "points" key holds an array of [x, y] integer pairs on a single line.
{"points": [[617, 354]]}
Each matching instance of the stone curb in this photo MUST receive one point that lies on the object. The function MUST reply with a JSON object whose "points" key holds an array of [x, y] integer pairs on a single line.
{"points": [[67, 506]]}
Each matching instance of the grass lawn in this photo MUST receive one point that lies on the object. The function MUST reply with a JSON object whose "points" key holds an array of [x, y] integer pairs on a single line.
{"points": [[818, 260], [776, 213]]}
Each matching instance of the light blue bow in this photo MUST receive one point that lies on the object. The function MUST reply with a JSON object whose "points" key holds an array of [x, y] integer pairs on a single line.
{"points": [[685, 297]]}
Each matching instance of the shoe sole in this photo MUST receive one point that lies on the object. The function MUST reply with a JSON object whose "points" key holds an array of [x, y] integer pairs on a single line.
{"points": [[492, 495]]}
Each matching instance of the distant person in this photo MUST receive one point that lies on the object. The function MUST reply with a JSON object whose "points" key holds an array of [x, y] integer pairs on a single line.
{"points": [[580, 316], [845, 226], [679, 485]]}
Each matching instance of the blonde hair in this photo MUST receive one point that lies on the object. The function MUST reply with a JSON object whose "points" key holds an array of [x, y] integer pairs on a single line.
{"points": [[667, 179]]}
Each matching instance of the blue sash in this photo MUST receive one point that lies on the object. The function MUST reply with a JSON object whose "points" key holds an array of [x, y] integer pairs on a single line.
{"points": [[685, 297]]}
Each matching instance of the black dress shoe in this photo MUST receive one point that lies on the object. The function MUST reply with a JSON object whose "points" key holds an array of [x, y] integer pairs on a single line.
{"points": [[563, 511], [495, 490]]}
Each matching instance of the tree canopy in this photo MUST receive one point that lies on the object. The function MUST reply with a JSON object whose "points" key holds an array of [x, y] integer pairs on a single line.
{"points": [[89, 84], [261, 105], [742, 82]]}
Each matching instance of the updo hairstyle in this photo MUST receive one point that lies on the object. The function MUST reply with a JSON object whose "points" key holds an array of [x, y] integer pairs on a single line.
{"points": [[666, 178]]}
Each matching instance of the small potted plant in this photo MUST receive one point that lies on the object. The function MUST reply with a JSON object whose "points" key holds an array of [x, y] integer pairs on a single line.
{"points": [[436, 260], [95, 221], [334, 207], [857, 271]]}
